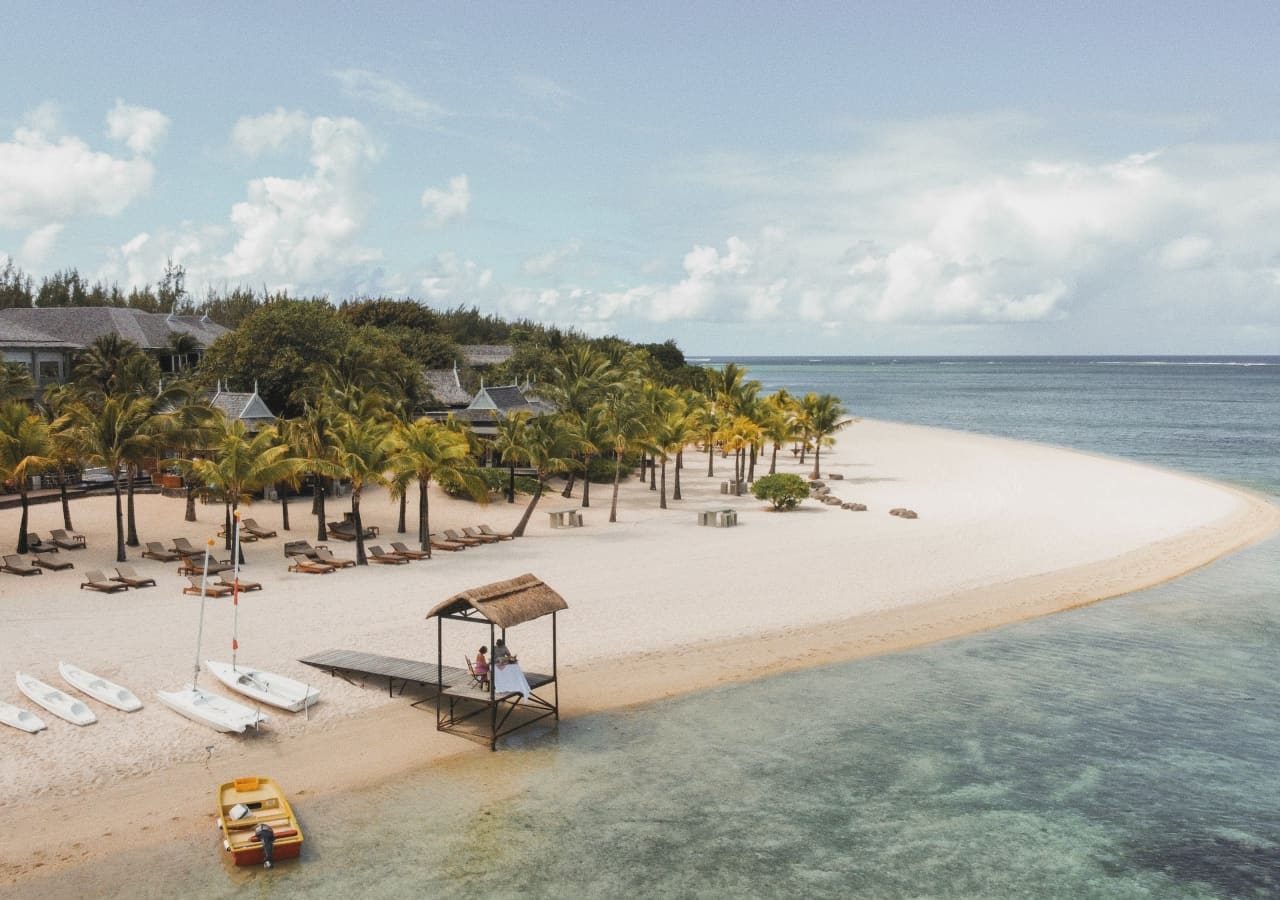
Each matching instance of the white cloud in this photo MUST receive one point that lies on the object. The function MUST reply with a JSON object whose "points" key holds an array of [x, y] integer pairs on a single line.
{"points": [[389, 94], [45, 180], [137, 127], [452, 278], [445, 206], [551, 260], [269, 132], [39, 244], [545, 91], [1187, 252]]}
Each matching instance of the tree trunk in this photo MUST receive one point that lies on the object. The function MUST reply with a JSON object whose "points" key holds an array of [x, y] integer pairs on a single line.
{"points": [[711, 457], [317, 506], [361, 559], [511, 486], [228, 524], [66, 501], [22, 527], [424, 525], [284, 506], [586, 482], [751, 472], [132, 540], [568, 485], [404, 508], [662, 495], [617, 476], [653, 473], [817, 453], [675, 493], [773, 461], [191, 499], [120, 555], [528, 511]]}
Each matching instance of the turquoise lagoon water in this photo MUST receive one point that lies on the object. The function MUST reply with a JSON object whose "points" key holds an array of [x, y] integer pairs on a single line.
{"points": [[1131, 749]]}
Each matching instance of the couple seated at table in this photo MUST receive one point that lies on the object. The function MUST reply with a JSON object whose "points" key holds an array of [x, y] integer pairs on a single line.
{"points": [[506, 672]]}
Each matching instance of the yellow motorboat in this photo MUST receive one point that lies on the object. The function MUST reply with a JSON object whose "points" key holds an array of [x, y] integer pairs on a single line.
{"points": [[257, 822]]}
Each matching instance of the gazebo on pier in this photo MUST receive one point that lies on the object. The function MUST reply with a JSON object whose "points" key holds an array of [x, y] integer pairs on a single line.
{"points": [[501, 605]]}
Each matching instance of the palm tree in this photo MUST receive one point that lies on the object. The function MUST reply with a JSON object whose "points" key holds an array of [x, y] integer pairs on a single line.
{"points": [[363, 451], [55, 401], [241, 464], [15, 382], [25, 450], [110, 437], [822, 419], [623, 424], [99, 366], [311, 437], [778, 422], [425, 450], [578, 380], [546, 443]]}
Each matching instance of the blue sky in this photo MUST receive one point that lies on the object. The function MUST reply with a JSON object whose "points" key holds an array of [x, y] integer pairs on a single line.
{"points": [[747, 177]]}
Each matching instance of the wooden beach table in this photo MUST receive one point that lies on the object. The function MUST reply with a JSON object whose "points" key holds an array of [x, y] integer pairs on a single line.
{"points": [[565, 518]]}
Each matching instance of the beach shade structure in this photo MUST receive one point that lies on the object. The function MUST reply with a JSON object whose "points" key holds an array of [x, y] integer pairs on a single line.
{"points": [[511, 700]]}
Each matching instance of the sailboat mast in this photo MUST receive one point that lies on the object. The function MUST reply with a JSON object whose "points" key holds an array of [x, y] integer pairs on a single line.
{"points": [[204, 580], [235, 590]]}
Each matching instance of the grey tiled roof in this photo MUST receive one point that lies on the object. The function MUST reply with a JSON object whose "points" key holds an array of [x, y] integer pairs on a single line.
{"points": [[249, 408], [445, 388], [15, 334], [80, 326], [508, 399]]}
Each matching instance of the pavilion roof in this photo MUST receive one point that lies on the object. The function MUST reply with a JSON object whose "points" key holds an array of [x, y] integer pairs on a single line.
{"points": [[505, 603]]}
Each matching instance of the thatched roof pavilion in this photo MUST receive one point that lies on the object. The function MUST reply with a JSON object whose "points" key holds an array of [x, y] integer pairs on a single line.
{"points": [[500, 605]]}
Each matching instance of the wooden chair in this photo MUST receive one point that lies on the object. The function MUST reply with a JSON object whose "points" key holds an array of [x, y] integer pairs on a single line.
{"points": [[211, 588], [500, 535], [303, 548], [67, 541], [96, 581], [36, 545], [186, 548], [16, 565], [439, 543], [378, 555], [480, 536], [56, 565], [129, 576], [459, 538], [245, 586], [251, 526], [480, 681], [194, 565], [402, 549]]}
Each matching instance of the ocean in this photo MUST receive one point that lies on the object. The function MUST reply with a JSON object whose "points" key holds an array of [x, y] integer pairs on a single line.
{"points": [[1129, 749]]}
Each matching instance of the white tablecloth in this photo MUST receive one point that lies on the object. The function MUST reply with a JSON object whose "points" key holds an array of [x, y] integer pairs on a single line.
{"points": [[508, 678]]}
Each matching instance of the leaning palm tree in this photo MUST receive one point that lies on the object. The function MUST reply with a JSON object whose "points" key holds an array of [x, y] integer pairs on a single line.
{"points": [[55, 401], [425, 449], [545, 443], [363, 449], [822, 419], [311, 437], [777, 422], [110, 436], [25, 450], [241, 464], [625, 429]]}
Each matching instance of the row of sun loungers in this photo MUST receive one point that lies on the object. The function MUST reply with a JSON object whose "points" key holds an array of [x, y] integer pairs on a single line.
{"points": [[16, 565], [59, 538]]}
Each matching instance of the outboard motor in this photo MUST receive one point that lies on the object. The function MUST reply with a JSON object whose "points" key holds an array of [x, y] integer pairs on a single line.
{"points": [[265, 834]]}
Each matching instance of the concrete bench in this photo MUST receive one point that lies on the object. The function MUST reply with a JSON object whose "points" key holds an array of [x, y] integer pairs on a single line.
{"points": [[565, 518], [720, 518]]}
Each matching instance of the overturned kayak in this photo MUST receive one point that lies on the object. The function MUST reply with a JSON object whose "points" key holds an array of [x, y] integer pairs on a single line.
{"points": [[62, 705], [19, 718], [99, 688]]}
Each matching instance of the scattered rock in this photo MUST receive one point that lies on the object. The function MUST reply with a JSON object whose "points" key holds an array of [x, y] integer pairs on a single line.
{"points": [[835, 476], [856, 507], [903, 513]]}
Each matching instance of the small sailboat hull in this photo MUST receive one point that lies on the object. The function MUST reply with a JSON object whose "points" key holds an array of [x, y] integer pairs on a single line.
{"points": [[61, 705], [265, 687], [258, 801], [99, 688], [219, 713], [19, 718]]}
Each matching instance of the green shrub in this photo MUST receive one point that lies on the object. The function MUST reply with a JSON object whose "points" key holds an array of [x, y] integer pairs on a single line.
{"points": [[783, 490], [600, 470]]}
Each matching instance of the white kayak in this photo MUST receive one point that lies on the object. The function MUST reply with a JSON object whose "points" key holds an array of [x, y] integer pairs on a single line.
{"points": [[20, 718], [99, 688], [54, 700], [266, 687], [219, 713]]}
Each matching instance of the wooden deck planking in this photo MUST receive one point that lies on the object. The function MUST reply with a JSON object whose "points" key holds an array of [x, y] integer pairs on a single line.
{"points": [[456, 682]]}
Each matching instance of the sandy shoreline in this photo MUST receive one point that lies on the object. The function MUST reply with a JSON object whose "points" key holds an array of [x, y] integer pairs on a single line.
{"points": [[659, 607]]}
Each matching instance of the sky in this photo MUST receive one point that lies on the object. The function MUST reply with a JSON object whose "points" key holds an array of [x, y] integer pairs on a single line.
{"points": [[744, 178]]}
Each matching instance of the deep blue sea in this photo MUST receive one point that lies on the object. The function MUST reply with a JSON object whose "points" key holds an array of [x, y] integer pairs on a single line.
{"points": [[1130, 749]]}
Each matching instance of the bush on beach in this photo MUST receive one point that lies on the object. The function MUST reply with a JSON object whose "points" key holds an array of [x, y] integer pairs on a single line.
{"points": [[783, 490]]}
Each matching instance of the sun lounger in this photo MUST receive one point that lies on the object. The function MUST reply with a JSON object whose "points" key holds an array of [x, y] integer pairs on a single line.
{"points": [[245, 536], [186, 548], [36, 545], [481, 536], [245, 586], [156, 550], [302, 548], [460, 538], [304, 564], [500, 535], [128, 575], [194, 565], [378, 555], [400, 549], [439, 543], [96, 581], [211, 588], [255, 529], [323, 555], [67, 541], [56, 565], [16, 565]]}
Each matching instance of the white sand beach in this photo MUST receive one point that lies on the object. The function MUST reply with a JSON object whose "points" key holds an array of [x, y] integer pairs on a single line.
{"points": [[658, 606]]}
